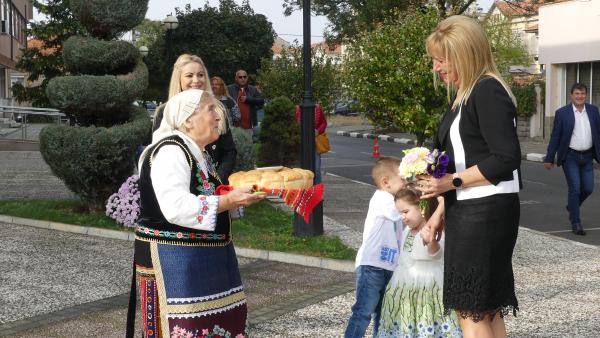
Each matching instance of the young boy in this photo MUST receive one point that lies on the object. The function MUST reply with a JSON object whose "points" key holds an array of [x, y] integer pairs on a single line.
{"points": [[378, 255]]}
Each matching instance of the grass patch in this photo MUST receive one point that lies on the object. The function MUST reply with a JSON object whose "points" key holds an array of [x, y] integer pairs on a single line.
{"points": [[62, 211], [263, 227]]}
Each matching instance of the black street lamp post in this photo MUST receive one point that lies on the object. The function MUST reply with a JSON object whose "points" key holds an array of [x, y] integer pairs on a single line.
{"points": [[170, 23], [314, 227]]}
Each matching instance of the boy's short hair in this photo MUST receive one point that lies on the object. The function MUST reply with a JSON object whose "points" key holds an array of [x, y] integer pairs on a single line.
{"points": [[386, 166]]}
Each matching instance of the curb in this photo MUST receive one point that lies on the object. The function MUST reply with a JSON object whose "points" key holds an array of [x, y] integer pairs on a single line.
{"points": [[533, 157], [276, 256], [380, 137]]}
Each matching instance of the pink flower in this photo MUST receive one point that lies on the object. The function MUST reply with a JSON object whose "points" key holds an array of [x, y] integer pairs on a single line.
{"points": [[205, 332], [411, 158], [240, 336]]}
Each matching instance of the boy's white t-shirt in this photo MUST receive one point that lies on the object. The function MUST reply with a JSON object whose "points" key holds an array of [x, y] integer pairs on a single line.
{"points": [[382, 233]]}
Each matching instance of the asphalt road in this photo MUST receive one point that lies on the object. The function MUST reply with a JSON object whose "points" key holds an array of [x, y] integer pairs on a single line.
{"points": [[543, 197]]}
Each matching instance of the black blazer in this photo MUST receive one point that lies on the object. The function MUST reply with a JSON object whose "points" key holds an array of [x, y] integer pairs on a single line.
{"points": [[223, 153], [564, 123], [488, 132]]}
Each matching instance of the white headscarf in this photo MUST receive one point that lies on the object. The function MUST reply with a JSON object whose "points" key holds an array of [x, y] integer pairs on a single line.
{"points": [[177, 110]]}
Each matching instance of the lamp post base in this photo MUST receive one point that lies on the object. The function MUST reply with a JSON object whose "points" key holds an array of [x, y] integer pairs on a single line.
{"points": [[314, 227]]}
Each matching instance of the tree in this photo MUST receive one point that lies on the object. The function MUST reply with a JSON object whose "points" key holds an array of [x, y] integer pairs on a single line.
{"points": [[46, 62], [507, 47], [389, 73], [106, 76], [284, 77], [227, 38], [350, 17], [149, 31], [279, 135]]}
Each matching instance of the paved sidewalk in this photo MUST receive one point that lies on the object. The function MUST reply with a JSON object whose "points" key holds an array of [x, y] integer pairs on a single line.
{"points": [[57, 284]]}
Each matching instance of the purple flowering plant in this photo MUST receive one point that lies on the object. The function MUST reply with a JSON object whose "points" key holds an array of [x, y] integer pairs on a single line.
{"points": [[123, 206], [437, 163]]}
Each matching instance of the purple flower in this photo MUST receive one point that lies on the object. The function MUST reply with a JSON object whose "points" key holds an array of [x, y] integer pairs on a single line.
{"points": [[438, 163], [123, 206]]}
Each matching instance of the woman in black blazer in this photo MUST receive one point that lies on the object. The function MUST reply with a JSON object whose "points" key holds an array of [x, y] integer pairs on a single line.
{"points": [[481, 202], [189, 72]]}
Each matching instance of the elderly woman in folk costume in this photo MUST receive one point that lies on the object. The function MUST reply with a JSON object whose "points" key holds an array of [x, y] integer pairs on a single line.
{"points": [[185, 263]]}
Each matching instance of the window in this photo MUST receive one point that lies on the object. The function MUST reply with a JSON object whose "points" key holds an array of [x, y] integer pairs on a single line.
{"points": [[571, 78], [587, 73], [595, 89]]}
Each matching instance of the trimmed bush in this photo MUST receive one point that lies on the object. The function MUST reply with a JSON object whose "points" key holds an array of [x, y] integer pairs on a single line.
{"points": [[94, 161], [279, 135], [100, 100], [83, 55], [108, 19], [245, 159]]}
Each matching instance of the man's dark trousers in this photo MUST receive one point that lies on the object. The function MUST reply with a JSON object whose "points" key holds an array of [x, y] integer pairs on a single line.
{"points": [[579, 172]]}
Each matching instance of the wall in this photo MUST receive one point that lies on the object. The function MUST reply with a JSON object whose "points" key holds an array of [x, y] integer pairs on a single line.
{"points": [[568, 32]]}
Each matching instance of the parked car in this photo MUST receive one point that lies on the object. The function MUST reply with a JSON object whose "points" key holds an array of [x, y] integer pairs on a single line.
{"points": [[150, 107], [345, 108]]}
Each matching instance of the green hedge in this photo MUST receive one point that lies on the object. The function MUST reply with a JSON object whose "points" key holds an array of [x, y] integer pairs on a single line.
{"points": [[245, 159], [94, 162], [108, 19], [526, 100], [98, 99], [85, 55], [279, 134]]}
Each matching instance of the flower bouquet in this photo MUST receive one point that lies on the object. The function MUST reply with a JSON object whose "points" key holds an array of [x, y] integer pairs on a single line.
{"points": [[421, 161]]}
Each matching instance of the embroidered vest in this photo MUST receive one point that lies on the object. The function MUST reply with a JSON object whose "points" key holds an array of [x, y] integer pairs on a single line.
{"points": [[153, 225]]}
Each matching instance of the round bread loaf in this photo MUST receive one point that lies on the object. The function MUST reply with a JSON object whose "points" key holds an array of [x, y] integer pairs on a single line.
{"points": [[271, 180], [292, 179], [307, 177], [235, 178], [286, 178]]}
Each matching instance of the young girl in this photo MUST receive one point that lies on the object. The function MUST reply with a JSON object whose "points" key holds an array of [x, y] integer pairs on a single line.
{"points": [[412, 305]]}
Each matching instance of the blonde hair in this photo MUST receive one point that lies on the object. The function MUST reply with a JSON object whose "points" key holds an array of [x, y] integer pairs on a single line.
{"points": [[465, 47], [386, 166], [175, 85], [222, 83]]}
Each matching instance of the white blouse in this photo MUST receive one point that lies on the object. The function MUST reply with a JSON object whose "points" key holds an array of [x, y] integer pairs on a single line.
{"points": [[170, 174]]}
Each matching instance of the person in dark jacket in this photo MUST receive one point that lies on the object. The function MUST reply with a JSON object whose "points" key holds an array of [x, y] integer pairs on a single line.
{"points": [[189, 72], [575, 143], [248, 99]]}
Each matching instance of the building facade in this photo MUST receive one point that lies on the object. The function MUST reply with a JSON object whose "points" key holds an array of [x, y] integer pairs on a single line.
{"points": [[14, 16], [569, 47], [523, 18]]}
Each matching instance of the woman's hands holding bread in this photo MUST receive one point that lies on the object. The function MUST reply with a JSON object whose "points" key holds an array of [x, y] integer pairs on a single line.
{"points": [[238, 197]]}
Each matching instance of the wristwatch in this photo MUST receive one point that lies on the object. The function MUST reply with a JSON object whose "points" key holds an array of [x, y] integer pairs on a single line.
{"points": [[456, 181]]}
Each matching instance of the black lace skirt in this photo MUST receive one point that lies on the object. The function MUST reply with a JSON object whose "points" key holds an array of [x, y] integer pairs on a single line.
{"points": [[480, 238]]}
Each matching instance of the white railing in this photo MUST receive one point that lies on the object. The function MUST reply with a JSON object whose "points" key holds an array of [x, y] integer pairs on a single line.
{"points": [[17, 117]]}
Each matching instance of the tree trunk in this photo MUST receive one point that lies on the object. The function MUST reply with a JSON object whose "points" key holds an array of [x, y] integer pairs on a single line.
{"points": [[420, 139]]}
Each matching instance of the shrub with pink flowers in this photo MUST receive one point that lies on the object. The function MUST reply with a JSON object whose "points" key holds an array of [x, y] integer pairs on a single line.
{"points": [[123, 206]]}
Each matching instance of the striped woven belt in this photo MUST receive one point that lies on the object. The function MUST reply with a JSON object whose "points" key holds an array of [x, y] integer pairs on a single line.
{"points": [[192, 238]]}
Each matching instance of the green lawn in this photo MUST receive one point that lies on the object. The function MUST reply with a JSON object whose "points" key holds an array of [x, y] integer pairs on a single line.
{"points": [[263, 227]]}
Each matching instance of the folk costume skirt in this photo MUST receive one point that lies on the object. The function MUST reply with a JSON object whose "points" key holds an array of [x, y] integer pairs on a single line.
{"points": [[189, 290], [480, 237]]}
